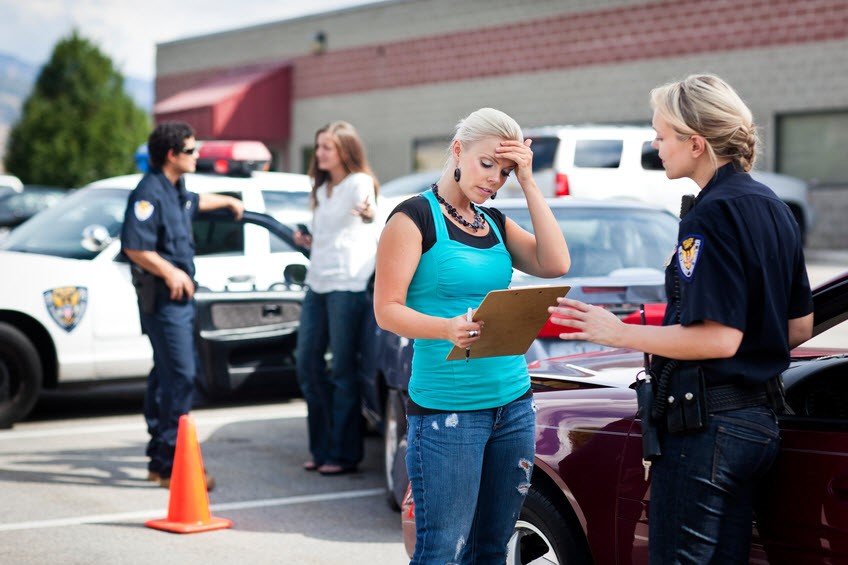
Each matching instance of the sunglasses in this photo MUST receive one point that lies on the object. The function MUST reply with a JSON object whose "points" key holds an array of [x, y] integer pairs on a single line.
{"points": [[188, 150]]}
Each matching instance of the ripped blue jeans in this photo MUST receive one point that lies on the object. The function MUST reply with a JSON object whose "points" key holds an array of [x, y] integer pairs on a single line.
{"points": [[470, 472]]}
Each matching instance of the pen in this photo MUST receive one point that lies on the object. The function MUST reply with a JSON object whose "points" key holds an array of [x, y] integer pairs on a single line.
{"points": [[468, 349]]}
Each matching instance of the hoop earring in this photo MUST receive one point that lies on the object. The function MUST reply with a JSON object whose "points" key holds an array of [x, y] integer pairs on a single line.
{"points": [[457, 174], [493, 196]]}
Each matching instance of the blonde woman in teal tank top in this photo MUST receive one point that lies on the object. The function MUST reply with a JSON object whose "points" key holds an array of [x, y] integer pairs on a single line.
{"points": [[471, 425]]}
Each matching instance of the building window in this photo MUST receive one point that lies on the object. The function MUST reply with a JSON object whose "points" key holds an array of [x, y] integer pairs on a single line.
{"points": [[429, 153], [812, 147]]}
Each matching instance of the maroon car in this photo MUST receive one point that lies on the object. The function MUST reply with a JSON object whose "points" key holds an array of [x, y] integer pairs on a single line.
{"points": [[589, 497]]}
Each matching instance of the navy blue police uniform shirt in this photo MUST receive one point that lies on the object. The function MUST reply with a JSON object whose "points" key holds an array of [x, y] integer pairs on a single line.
{"points": [[158, 218], [740, 262]]}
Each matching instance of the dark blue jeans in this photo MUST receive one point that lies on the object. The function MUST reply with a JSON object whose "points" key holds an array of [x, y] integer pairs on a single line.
{"points": [[332, 399], [171, 382], [470, 472], [702, 488]]}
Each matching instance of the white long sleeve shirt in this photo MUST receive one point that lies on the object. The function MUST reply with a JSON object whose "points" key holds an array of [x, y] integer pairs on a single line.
{"points": [[344, 248]]}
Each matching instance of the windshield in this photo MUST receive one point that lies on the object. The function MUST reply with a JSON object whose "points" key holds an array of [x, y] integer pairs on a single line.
{"points": [[603, 240], [409, 184], [28, 203], [57, 231]]}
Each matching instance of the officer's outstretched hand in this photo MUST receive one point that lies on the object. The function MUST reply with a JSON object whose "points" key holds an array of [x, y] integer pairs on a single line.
{"points": [[180, 284], [593, 323]]}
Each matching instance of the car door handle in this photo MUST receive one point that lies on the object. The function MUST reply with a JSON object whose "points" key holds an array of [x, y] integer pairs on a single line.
{"points": [[271, 310]]}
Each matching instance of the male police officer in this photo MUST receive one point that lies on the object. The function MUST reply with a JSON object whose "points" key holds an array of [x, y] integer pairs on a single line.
{"points": [[157, 238]]}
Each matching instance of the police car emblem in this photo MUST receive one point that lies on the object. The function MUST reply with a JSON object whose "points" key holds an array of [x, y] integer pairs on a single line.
{"points": [[66, 305], [687, 255], [143, 210]]}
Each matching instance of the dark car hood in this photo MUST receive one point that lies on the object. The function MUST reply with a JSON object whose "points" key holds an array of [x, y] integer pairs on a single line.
{"points": [[617, 368]]}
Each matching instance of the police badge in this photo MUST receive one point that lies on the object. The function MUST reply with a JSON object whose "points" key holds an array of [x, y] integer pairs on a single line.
{"points": [[687, 255], [143, 210], [66, 305]]}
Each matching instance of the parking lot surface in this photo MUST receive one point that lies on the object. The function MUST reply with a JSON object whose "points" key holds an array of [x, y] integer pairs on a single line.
{"points": [[74, 491]]}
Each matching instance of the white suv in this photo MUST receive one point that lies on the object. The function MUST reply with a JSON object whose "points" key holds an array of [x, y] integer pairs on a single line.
{"points": [[618, 162]]}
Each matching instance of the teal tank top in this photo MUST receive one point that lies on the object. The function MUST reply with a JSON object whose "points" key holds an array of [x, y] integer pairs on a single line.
{"points": [[452, 277]]}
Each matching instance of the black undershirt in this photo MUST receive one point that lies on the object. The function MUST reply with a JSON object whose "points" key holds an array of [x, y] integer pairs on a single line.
{"points": [[418, 210]]}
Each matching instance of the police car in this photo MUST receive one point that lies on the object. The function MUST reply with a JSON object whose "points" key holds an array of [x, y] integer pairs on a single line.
{"points": [[68, 310]]}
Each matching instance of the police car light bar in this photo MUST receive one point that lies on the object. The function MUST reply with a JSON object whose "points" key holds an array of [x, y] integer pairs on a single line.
{"points": [[237, 158]]}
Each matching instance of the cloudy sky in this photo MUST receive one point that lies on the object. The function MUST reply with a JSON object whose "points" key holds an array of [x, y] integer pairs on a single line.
{"points": [[128, 30]]}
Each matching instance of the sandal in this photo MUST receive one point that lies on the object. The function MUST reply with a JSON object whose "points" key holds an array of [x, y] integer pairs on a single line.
{"points": [[330, 469], [310, 466]]}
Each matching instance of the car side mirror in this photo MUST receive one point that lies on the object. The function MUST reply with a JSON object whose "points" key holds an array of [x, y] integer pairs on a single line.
{"points": [[95, 238], [295, 274]]}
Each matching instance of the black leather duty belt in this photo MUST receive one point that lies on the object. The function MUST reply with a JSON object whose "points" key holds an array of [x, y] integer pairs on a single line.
{"points": [[733, 397]]}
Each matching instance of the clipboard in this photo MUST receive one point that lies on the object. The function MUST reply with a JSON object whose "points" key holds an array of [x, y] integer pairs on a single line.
{"points": [[513, 318]]}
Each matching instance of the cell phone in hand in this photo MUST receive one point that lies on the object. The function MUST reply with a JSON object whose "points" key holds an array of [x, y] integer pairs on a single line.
{"points": [[302, 228]]}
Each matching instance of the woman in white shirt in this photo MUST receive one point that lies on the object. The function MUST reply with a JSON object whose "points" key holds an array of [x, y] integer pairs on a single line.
{"points": [[343, 249]]}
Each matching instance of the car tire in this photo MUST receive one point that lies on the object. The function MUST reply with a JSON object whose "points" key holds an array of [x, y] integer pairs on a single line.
{"points": [[394, 443], [21, 375], [543, 535]]}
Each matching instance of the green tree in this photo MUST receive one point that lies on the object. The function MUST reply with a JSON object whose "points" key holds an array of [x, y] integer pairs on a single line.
{"points": [[78, 124]]}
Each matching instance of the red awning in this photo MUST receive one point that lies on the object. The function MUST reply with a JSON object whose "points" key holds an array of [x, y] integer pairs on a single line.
{"points": [[247, 103]]}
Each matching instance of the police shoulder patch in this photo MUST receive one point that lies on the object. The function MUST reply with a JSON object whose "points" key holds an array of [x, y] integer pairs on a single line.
{"points": [[688, 252], [143, 210]]}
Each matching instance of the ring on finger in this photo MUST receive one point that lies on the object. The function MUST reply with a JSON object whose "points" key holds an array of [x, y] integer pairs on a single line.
{"points": [[473, 333]]}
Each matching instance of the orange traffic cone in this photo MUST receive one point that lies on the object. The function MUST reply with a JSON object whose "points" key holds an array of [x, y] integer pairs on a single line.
{"points": [[188, 504]]}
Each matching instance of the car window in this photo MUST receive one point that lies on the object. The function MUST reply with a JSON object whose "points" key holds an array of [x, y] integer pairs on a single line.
{"points": [[28, 203], [58, 230], [278, 245], [283, 201], [544, 150], [602, 240], [598, 153], [822, 395], [651, 158], [218, 237]]}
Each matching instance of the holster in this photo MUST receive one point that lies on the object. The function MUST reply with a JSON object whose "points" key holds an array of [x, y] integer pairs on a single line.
{"points": [[776, 395], [145, 289], [687, 401]]}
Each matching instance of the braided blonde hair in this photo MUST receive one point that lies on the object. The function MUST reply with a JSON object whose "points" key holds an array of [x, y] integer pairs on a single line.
{"points": [[706, 105]]}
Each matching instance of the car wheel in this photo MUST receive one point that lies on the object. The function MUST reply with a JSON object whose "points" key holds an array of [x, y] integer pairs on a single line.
{"points": [[20, 375], [543, 535], [394, 442]]}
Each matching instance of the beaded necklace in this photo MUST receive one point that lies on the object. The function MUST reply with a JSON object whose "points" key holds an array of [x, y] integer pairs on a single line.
{"points": [[479, 221]]}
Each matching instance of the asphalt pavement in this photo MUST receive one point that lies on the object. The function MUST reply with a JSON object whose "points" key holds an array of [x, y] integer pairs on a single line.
{"points": [[74, 491]]}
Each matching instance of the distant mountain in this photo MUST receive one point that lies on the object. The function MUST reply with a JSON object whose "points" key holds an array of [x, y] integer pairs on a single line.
{"points": [[17, 78]]}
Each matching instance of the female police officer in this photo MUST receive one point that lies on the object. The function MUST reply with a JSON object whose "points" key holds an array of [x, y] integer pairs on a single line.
{"points": [[739, 300]]}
